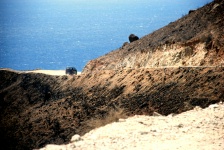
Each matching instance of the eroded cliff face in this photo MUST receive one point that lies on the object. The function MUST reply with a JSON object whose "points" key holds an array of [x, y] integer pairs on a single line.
{"points": [[166, 56], [194, 40]]}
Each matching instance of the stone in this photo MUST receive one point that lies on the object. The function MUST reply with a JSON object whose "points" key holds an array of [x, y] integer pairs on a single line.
{"points": [[214, 106], [76, 138], [133, 38]]}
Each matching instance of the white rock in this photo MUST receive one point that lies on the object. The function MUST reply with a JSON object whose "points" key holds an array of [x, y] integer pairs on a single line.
{"points": [[156, 114], [214, 106], [54, 147], [197, 108], [122, 120], [75, 138]]}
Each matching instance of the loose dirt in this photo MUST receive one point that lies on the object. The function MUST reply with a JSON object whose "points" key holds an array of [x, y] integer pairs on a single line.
{"points": [[39, 109], [199, 129]]}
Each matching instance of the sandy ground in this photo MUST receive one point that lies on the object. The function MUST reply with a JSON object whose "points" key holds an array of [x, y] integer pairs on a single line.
{"points": [[50, 72], [198, 129]]}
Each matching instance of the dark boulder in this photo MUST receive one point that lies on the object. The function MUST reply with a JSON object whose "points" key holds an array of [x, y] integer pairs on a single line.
{"points": [[133, 37], [191, 11]]}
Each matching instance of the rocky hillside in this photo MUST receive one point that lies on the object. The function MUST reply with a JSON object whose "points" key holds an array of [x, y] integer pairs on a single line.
{"points": [[38, 109], [169, 71], [194, 40], [197, 129]]}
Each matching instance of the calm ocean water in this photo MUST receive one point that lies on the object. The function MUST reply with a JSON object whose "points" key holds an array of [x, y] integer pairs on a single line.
{"points": [[54, 34]]}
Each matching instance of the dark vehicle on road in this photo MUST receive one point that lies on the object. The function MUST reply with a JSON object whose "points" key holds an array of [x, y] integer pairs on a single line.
{"points": [[71, 70]]}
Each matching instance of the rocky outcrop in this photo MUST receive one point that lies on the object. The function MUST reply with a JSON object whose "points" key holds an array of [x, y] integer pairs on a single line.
{"points": [[194, 40], [191, 11]]}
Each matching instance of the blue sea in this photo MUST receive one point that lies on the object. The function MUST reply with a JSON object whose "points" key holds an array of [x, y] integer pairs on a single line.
{"points": [[55, 34]]}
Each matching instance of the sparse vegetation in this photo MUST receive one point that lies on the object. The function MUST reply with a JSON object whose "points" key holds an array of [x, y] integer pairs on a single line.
{"points": [[112, 115]]}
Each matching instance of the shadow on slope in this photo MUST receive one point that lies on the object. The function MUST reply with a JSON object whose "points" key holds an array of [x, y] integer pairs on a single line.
{"points": [[38, 109]]}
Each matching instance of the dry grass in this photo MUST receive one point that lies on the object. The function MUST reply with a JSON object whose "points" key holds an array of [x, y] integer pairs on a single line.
{"points": [[113, 115]]}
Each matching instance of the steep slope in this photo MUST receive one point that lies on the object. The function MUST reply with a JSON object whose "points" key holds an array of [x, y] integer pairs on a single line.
{"points": [[200, 129], [194, 40], [38, 109]]}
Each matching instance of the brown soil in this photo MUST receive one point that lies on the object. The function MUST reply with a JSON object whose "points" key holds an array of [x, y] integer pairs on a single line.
{"points": [[37, 108], [198, 129]]}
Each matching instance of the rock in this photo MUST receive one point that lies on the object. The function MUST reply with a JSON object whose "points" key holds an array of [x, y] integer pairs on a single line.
{"points": [[133, 38], [213, 106], [54, 147], [191, 11], [76, 138], [122, 120], [197, 108], [156, 114]]}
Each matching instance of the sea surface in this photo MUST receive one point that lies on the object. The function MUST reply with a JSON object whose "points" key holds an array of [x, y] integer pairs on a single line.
{"points": [[55, 34]]}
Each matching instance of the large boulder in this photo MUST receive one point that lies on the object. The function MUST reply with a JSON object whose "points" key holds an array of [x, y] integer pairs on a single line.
{"points": [[133, 37]]}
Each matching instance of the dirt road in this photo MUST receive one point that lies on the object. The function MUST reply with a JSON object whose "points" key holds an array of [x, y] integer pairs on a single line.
{"points": [[50, 72]]}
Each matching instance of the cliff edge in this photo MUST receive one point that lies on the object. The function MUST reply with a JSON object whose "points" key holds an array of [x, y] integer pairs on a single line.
{"points": [[194, 40]]}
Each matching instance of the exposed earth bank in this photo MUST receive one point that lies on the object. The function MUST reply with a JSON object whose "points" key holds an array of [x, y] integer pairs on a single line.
{"points": [[38, 109], [197, 129]]}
